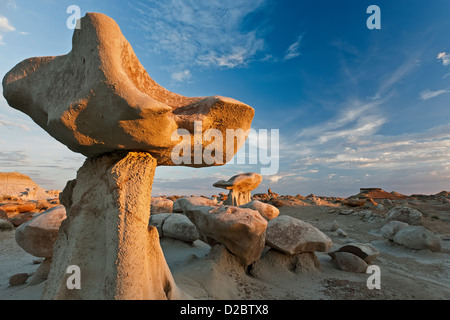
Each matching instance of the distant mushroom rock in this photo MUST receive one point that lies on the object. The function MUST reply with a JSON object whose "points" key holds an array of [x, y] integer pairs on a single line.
{"points": [[240, 186]]}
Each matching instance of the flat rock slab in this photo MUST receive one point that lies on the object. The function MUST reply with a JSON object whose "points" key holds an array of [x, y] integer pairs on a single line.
{"points": [[293, 236]]}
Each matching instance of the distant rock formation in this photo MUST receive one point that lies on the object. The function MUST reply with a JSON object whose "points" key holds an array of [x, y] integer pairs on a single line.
{"points": [[23, 188], [240, 186]]}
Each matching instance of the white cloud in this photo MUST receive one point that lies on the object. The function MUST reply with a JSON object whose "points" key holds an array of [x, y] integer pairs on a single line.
{"points": [[293, 50], [181, 76], [200, 33], [445, 57], [428, 94], [5, 26], [4, 123]]}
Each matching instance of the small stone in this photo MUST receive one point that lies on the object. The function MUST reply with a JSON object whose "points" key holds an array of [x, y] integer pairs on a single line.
{"points": [[341, 233], [18, 279], [346, 212], [334, 226]]}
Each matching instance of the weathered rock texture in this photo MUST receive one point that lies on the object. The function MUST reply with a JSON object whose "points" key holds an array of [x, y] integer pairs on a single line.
{"points": [[240, 186], [98, 98], [106, 234]]}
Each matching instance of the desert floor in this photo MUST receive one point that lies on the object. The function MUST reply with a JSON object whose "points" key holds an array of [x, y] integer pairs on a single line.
{"points": [[405, 274]]}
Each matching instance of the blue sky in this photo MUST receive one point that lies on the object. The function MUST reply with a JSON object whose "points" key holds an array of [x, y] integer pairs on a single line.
{"points": [[354, 107]]}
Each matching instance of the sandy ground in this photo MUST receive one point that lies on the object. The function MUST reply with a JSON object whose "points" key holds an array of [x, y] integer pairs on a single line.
{"points": [[405, 274]]}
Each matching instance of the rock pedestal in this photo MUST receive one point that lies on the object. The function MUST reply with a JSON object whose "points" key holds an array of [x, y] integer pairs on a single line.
{"points": [[106, 234]]}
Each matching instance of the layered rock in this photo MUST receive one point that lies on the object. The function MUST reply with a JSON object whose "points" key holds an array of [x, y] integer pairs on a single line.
{"points": [[240, 187]]}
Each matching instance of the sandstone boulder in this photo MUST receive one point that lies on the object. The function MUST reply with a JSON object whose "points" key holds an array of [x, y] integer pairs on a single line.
{"points": [[161, 205], [240, 230], [293, 236], [390, 229], [240, 186], [417, 237], [38, 235], [408, 215], [267, 211], [179, 227]]}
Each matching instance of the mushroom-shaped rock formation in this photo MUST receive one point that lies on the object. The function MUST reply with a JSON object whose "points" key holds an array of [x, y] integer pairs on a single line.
{"points": [[98, 100], [240, 186]]}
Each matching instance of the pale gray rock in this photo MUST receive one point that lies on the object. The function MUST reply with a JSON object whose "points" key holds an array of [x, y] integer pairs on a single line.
{"points": [[417, 237], [405, 214], [157, 221], [390, 229], [179, 227]]}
